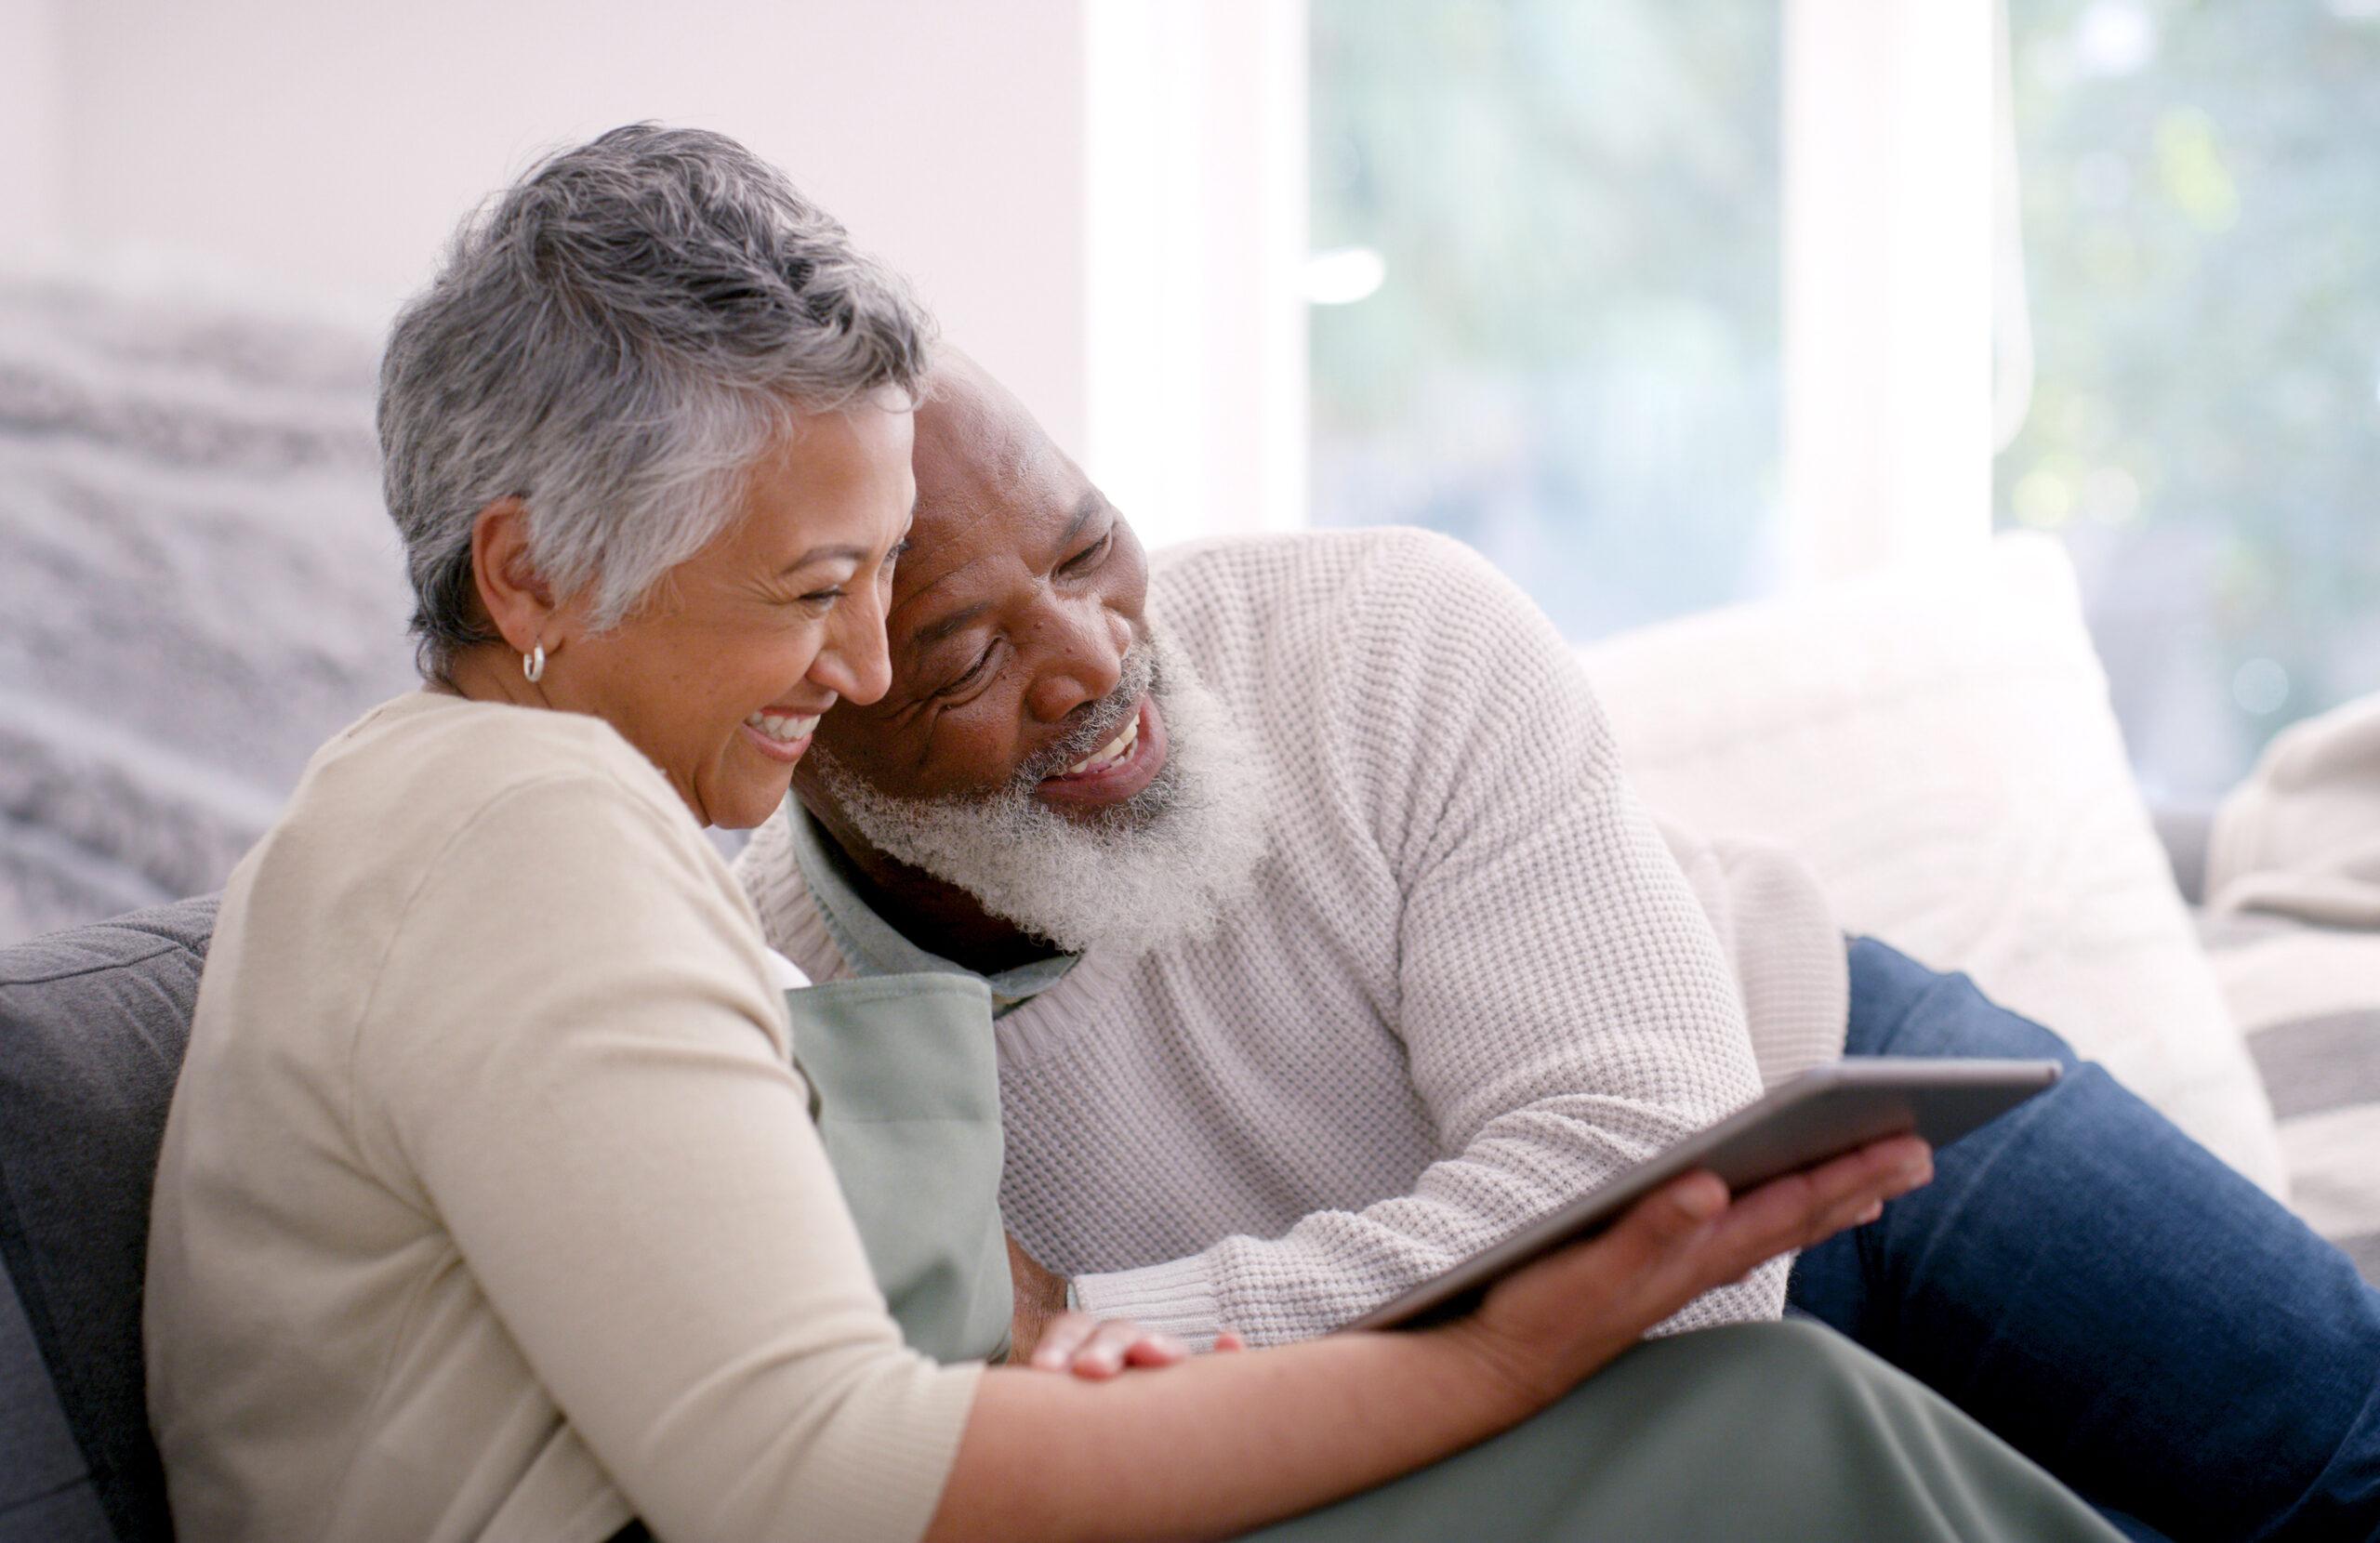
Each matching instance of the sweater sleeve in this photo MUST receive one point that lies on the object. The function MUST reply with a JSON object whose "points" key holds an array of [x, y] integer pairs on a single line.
{"points": [[1564, 1006], [573, 1058]]}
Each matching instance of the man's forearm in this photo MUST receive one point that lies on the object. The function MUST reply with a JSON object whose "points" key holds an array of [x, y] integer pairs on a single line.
{"points": [[1040, 1297], [1332, 1267]]}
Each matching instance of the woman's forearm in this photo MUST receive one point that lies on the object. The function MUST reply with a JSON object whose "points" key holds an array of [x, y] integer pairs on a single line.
{"points": [[1216, 1446], [1227, 1442]]}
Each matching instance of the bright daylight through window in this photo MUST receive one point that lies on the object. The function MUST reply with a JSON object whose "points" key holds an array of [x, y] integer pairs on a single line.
{"points": [[1546, 291], [2201, 218], [1546, 318]]}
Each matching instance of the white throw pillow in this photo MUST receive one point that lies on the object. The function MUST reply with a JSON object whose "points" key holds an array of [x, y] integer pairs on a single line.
{"points": [[1935, 743]]}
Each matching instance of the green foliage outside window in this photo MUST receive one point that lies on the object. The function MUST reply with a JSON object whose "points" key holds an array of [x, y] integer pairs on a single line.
{"points": [[2201, 217], [1572, 362]]}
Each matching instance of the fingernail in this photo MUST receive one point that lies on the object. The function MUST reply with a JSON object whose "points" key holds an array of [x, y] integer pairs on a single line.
{"points": [[1917, 1170], [1700, 1201]]}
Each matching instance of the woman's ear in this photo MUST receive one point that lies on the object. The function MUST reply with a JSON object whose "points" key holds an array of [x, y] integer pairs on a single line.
{"points": [[519, 602]]}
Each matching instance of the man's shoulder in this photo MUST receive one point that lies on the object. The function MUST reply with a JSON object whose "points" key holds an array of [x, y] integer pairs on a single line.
{"points": [[1298, 559], [1290, 581]]}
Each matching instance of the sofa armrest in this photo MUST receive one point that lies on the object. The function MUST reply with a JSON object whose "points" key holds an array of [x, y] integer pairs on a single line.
{"points": [[2184, 832], [46, 1491]]}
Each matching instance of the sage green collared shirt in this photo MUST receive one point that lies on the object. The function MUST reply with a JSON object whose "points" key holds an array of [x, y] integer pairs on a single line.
{"points": [[875, 947]]}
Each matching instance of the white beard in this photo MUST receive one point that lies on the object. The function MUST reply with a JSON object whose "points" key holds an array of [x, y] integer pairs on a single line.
{"points": [[1164, 867]]}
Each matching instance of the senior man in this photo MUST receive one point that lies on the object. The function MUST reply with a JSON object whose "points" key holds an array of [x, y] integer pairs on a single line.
{"points": [[1330, 945]]}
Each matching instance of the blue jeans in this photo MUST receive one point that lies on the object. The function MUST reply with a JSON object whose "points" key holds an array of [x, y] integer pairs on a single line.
{"points": [[2108, 1296]]}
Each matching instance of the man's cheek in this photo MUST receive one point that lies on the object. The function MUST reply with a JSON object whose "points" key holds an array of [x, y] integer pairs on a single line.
{"points": [[974, 749]]}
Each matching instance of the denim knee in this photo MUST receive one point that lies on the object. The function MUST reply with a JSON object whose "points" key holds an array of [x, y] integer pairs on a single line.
{"points": [[1899, 1007]]}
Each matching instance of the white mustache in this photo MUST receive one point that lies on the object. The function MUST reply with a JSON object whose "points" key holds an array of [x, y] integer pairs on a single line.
{"points": [[1141, 676], [1166, 865]]}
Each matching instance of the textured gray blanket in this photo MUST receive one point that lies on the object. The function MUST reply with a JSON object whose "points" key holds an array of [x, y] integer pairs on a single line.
{"points": [[197, 585]]}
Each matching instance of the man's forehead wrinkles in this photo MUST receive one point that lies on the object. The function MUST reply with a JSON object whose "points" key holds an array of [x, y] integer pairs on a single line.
{"points": [[982, 519], [938, 530]]}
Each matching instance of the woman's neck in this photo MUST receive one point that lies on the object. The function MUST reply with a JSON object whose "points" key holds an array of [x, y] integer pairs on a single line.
{"points": [[490, 672]]}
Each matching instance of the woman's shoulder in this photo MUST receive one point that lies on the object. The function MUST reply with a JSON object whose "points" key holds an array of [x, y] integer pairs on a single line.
{"points": [[430, 759], [393, 799]]}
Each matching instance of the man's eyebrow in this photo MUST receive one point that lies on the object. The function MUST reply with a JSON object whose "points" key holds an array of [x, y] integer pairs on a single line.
{"points": [[1086, 507], [1086, 510], [943, 627]]}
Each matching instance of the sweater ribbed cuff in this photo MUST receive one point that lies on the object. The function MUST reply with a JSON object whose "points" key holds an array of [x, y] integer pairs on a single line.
{"points": [[1176, 1298]]}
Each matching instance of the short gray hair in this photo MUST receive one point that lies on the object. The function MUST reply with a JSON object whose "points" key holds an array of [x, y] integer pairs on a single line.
{"points": [[614, 340]]}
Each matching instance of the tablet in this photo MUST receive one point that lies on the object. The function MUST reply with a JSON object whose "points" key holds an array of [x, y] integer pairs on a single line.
{"points": [[1822, 1114]]}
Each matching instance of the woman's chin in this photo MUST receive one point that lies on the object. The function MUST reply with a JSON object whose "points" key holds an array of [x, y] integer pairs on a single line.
{"points": [[745, 801]]}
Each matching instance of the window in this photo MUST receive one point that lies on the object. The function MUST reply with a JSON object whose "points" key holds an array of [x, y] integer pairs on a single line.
{"points": [[1546, 290], [2201, 236]]}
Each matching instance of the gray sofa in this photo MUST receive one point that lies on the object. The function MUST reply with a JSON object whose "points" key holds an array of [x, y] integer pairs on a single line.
{"points": [[93, 1023]]}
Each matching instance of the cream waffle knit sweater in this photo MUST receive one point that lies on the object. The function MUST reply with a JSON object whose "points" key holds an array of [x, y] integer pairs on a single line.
{"points": [[490, 1206], [1472, 981]]}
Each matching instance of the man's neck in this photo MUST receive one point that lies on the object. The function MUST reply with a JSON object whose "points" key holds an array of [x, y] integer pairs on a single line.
{"points": [[937, 915]]}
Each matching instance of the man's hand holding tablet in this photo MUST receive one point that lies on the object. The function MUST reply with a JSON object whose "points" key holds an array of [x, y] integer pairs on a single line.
{"points": [[1669, 1249], [1821, 1153]]}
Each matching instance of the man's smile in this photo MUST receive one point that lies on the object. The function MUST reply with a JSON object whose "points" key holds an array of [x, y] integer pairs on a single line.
{"points": [[1116, 771]]}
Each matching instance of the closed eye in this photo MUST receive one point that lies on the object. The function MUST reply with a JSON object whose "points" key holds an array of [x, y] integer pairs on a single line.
{"points": [[974, 672], [1089, 558]]}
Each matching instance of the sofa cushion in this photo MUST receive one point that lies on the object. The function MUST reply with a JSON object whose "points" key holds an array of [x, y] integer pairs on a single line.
{"points": [[2308, 997], [93, 1024], [1935, 743], [2293, 925]]}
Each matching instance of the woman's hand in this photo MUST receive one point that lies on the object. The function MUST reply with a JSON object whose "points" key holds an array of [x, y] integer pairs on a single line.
{"points": [[1543, 1328], [1043, 1335], [1096, 1349]]}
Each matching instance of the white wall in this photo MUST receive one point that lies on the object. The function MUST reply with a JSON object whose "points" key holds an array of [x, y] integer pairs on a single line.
{"points": [[326, 149], [1197, 203], [1888, 144], [30, 120]]}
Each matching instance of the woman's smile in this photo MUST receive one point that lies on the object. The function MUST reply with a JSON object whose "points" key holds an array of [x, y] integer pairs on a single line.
{"points": [[779, 736]]}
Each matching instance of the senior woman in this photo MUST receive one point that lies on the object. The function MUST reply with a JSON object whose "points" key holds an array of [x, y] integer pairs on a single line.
{"points": [[500, 1196]]}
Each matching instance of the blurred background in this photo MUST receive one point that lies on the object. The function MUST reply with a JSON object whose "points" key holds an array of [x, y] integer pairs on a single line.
{"points": [[1587, 238], [1660, 306]]}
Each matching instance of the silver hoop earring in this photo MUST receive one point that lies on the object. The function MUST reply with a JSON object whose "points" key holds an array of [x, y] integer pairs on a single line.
{"points": [[532, 664]]}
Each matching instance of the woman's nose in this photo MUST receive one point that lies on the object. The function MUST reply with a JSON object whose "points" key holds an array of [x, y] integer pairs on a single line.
{"points": [[856, 663]]}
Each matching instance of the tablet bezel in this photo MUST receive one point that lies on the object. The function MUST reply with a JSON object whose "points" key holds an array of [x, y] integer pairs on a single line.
{"points": [[1820, 1114]]}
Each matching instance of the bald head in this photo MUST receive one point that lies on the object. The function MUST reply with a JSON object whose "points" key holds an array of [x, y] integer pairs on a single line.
{"points": [[1011, 619], [977, 445]]}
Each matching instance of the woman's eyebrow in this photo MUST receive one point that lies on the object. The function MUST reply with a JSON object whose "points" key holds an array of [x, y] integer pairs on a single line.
{"points": [[824, 554]]}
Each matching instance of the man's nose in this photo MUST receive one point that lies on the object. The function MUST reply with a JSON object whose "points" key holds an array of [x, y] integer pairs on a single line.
{"points": [[1082, 647]]}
